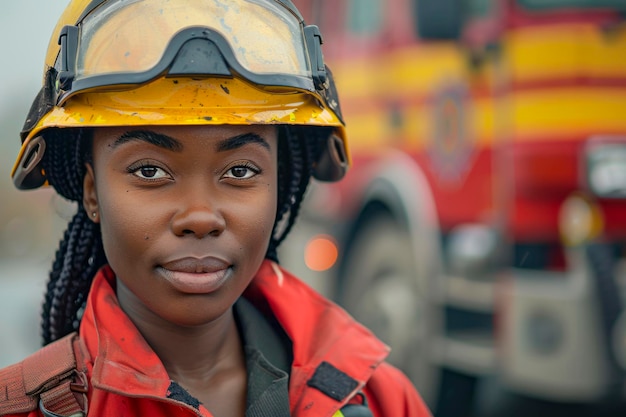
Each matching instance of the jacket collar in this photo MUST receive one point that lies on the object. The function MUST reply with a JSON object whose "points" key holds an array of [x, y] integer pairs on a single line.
{"points": [[324, 337], [123, 360], [327, 342]]}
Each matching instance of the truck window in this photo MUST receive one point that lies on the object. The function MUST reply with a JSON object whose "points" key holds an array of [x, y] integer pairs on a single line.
{"points": [[478, 8], [438, 19]]}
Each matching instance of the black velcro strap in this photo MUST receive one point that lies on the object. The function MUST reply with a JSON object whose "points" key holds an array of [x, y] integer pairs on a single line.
{"points": [[332, 382]]}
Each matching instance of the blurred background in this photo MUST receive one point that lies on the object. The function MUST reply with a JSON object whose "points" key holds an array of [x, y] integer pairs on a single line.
{"points": [[481, 229], [31, 223]]}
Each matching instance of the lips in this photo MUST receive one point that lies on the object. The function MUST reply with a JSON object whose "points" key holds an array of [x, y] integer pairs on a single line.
{"points": [[196, 275], [195, 265]]}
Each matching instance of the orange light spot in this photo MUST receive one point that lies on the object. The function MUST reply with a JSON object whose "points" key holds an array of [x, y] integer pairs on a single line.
{"points": [[321, 253]]}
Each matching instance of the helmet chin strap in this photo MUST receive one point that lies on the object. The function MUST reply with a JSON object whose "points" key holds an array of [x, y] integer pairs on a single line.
{"points": [[28, 173], [332, 163]]}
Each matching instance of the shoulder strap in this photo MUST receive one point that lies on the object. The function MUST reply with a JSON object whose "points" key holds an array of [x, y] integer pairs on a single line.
{"points": [[50, 379]]}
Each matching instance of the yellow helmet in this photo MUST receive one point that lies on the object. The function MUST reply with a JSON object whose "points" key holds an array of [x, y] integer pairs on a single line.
{"points": [[183, 62]]}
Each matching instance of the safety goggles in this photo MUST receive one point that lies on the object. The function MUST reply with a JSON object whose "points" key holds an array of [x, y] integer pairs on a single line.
{"points": [[122, 44]]}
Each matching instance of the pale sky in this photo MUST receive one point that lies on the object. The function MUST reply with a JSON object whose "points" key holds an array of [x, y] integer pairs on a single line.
{"points": [[26, 27], [29, 226]]}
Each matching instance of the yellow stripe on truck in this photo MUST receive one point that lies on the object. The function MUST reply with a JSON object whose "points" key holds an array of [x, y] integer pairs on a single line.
{"points": [[565, 51]]}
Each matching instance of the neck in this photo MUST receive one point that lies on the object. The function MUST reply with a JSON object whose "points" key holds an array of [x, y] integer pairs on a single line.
{"points": [[208, 361], [191, 355], [198, 353]]}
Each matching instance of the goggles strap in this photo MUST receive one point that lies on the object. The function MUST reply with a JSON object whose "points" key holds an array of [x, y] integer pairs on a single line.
{"points": [[314, 43], [68, 39]]}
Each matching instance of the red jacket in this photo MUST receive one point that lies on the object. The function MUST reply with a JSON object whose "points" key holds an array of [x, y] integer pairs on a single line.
{"points": [[128, 379]]}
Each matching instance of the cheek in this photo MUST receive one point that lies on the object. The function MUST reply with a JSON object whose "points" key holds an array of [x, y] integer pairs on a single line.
{"points": [[272, 206], [127, 224], [262, 214], [256, 217]]}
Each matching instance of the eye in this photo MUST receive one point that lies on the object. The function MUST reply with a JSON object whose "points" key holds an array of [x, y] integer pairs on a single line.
{"points": [[149, 172], [242, 172]]}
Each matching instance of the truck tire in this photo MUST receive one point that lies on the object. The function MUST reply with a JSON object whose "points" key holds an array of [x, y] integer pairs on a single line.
{"points": [[602, 262], [381, 289]]}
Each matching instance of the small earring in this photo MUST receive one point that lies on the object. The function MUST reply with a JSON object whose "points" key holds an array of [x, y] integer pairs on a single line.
{"points": [[93, 214]]}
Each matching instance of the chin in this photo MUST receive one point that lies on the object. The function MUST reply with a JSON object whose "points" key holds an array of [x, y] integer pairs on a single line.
{"points": [[196, 313]]}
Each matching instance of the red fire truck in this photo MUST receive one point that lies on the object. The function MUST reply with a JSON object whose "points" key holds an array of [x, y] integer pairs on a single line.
{"points": [[481, 228]]}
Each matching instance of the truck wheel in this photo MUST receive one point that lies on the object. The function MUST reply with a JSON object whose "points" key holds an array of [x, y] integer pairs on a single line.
{"points": [[382, 290], [602, 262]]}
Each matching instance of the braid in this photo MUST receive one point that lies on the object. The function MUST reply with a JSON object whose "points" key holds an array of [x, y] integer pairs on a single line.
{"points": [[57, 267], [64, 162], [80, 252], [79, 256], [298, 149]]}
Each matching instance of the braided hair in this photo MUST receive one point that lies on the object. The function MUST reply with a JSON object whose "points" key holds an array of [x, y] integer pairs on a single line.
{"points": [[81, 253]]}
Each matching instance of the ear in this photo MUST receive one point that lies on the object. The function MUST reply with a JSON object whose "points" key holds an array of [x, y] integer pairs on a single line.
{"points": [[90, 195]]}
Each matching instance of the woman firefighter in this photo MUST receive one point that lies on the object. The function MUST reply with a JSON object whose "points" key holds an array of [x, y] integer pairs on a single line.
{"points": [[187, 132]]}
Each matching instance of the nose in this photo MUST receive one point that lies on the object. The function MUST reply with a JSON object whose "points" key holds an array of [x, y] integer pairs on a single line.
{"points": [[198, 218]]}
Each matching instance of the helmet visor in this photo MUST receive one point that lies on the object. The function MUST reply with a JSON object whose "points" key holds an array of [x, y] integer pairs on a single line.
{"points": [[133, 37]]}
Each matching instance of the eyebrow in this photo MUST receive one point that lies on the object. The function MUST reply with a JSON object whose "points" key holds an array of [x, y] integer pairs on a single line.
{"points": [[169, 143], [241, 140], [156, 139]]}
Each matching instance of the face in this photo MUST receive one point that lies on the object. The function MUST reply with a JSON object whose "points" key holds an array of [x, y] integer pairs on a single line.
{"points": [[186, 214]]}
